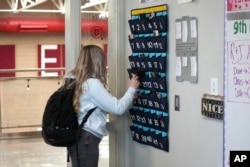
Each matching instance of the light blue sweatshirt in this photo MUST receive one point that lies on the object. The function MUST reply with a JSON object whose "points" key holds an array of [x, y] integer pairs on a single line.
{"points": [[95, 95]]}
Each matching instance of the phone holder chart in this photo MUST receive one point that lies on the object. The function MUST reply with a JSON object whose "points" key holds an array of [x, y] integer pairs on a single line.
{"points": [[148, 41]]}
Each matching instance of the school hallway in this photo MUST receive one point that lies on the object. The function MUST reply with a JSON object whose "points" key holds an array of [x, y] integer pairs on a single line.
{"points": [[33, 152]]}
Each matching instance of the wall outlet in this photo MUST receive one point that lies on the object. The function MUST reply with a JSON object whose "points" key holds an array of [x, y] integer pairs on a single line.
{"points": [[214, 86]]}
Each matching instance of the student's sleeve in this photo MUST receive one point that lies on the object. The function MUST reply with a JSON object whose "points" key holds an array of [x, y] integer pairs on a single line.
{"points": [[106, 101]]}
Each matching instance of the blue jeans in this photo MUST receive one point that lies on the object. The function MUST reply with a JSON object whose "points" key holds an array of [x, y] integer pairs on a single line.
{"points": [[88, 151]]}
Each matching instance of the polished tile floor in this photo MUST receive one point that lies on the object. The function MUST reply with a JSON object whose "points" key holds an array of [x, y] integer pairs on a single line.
{"points": [[33, 152]]}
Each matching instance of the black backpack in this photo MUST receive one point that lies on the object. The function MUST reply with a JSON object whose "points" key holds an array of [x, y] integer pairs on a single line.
{"points": [[59, 123]]}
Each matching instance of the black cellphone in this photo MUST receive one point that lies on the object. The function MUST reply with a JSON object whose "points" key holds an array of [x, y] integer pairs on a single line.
{"points": [[139, 73]]}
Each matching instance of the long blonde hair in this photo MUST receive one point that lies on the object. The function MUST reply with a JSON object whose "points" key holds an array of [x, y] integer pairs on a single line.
{"points": [[90, 63]]}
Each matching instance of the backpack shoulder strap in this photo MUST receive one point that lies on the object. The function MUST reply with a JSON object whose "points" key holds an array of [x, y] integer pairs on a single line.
{"points": [[84, 120]]}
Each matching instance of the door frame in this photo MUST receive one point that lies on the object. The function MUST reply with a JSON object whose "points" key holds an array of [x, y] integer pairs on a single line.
{"points": [[117, 82]]}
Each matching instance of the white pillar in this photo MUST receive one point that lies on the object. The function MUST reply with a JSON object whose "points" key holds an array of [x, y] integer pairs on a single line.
{"points": [[72, 32]]}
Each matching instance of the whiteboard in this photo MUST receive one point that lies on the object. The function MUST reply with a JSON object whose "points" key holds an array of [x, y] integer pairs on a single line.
{"points": [[237, 78]]}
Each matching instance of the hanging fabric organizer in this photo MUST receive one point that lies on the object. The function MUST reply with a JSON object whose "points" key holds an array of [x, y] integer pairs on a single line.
{"points": [[148, 41]]}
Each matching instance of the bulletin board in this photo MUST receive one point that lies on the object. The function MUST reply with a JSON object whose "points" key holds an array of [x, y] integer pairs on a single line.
{"points": [[148, 41], [186, 33]]}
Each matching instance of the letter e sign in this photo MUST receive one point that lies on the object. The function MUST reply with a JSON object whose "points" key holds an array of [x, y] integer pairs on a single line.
{"points": [[51, 56]]}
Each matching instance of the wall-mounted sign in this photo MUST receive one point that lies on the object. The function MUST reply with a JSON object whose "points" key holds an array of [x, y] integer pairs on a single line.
{"points": [[51, 56], [97, 32], [239, 5], [7, 60], [212, 106]]}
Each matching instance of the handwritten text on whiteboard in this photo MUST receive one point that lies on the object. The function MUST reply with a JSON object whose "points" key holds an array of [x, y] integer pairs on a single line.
{"points": [[238, 60]]}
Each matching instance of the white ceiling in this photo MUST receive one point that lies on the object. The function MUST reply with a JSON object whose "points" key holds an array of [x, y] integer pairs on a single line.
{"points": [[50, 6]]}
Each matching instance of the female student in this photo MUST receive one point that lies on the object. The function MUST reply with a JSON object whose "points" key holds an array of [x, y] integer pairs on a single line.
{"points": [[91, 92]]}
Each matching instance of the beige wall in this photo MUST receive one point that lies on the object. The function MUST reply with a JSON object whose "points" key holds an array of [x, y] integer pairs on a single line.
{"points": [[20, 107]]}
